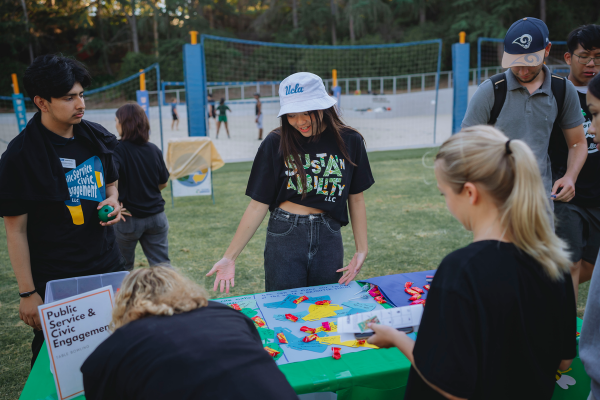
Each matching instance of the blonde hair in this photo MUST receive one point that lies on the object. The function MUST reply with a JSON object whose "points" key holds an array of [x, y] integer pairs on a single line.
{"points": [[155, 291], [508, 171]]}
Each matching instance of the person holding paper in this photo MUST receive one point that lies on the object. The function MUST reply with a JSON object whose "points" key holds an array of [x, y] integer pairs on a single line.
{"points": [[54, 177], [502, 308], [170, 342]]}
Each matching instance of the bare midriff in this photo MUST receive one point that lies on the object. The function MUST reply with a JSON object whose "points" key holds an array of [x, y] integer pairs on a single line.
{"points": [[294, 208]]}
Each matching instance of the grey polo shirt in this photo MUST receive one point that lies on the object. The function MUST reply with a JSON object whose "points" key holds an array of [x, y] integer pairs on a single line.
{"points": [[528, 117]]}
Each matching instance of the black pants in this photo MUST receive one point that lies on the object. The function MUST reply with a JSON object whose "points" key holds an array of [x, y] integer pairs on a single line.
{"points": [[38, 336]]}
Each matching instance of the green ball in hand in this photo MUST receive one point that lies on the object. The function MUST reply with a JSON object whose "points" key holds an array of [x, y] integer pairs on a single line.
{"points": [[103, 213]]}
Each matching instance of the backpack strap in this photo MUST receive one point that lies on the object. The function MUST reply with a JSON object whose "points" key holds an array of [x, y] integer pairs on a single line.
{"points": [[500, 89], [559, 90]]}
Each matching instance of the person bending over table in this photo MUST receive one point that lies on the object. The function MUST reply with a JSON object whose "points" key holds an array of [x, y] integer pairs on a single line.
{"points": [[170, 342], [502, 309], [311, 149]]}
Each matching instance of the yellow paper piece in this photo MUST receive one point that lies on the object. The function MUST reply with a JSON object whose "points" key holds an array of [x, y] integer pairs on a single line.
{"points": [[332, 325], [335, 340], [317, 312], [366, 344]]}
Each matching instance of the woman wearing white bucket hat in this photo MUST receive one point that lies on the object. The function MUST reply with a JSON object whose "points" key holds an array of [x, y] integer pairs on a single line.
{"points": [[311, 149]]}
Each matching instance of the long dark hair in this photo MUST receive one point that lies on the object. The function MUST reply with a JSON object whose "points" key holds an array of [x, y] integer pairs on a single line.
{"points": [[135, 127], [291, 141], [594, 87]]}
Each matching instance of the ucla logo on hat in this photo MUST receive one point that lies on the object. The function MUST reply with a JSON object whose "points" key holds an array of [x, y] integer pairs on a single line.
{"points": [[295, 89], [524, 41]]}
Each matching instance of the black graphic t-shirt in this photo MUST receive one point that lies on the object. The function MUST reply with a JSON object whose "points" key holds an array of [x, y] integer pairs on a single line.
{"points": [[65, 237], [587, 186], [330, 177]]}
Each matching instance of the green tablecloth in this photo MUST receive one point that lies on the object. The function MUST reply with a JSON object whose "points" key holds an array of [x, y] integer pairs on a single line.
{"points": [[373, 374]]}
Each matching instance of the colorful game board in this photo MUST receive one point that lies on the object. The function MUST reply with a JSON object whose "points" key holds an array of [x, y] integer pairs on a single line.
{"points": [[274, 309]]}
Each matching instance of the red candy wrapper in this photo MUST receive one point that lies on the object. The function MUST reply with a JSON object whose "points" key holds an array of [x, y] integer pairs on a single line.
{"points": [[259, 321], [417, 302], [417, 289], [375, 292], [410, 291], [361, 342], [326, 326], [429, 276], [272, 352], [281, 337], [236, 307], [427, 287], [380, 300], [300, 299], [322, 302], [336, 353], [408, 285], [414, 297], [309, 338], [308, 330], [291, 317]]}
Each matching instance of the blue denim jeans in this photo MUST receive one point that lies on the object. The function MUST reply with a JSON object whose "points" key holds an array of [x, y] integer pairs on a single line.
{"points": [[302, 250], [151, 232]]}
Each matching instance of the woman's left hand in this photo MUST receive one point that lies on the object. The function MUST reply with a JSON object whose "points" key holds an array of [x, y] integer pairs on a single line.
{"points": [[353, 268]]}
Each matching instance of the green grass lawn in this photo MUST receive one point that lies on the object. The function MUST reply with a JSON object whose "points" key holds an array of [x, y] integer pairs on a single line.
{"points": [[409, 230]]}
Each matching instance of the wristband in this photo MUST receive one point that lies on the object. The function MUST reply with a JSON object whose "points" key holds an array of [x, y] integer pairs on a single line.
{"points": [[27, 294]]}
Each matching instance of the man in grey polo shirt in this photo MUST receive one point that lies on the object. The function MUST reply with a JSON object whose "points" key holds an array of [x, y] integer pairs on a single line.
{"points": [[530, 109]]}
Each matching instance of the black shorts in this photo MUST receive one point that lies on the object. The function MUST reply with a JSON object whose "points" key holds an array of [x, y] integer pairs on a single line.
{"points": [[175, 117], [580, 228]]}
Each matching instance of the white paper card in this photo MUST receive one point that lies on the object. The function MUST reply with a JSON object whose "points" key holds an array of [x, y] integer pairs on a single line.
{"points": [[399, 317], [73, 328], [68, 163]]}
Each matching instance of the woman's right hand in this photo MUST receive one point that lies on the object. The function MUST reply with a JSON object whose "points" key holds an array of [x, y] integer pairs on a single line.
{"points": [[225, 269]]}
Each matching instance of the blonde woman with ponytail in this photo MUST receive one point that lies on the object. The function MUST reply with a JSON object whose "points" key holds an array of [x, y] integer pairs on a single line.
{"points": [[501, 309]]}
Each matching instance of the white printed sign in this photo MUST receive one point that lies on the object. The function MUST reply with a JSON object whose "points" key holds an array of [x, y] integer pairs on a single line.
{"points": [[196, 184], [73, 328], [399, 317]]}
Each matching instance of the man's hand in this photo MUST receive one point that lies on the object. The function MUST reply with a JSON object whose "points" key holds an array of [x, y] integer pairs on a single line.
{"points": [[225, 269], [353, 268], [124, 212], [568, 189], [114, 203], [28, 310], [385, 336]]}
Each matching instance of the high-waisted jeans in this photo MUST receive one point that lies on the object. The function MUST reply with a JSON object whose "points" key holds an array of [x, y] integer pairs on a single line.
{"points": [[302, 250]]}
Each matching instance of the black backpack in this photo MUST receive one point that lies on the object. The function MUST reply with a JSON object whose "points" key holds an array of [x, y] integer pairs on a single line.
{"points": [[558, 85]]}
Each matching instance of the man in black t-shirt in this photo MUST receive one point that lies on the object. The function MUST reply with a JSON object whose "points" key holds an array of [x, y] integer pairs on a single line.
{"points": [[54, 177], [578, 221]]}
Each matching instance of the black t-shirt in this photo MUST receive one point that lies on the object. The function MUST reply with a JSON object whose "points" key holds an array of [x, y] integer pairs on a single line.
{"points": [[587, 186], [141, 169], [493, 320], [64, 243], [213, 352], [330, 177]]}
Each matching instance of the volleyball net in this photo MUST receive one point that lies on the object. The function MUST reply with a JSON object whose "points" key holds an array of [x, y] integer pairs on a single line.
{"points": [[389, 93]]}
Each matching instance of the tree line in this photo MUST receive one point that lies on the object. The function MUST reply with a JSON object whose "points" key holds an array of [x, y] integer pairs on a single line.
{"points": [[115, 38]]}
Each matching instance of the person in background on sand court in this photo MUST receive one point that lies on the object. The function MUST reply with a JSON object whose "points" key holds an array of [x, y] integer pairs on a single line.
{"points": [[503, 305], [142, 176], [589, 342], [174, 114], [578, 220], [311, 149], [170, 342], [223, 117], [51, 232], [531, 108], [259, 115], [212, 113]]}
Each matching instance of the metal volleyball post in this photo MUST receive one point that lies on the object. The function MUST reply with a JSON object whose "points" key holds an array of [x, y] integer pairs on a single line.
{"points": [[460, 75], [158, 100]]}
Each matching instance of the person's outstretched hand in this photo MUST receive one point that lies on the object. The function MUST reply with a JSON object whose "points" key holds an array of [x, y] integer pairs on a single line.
{"points": [[385, 336], [353, 268], [225, 269]]}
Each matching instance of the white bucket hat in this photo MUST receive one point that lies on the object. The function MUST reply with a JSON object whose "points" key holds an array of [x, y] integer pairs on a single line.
{"points": [[303, 92]]}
